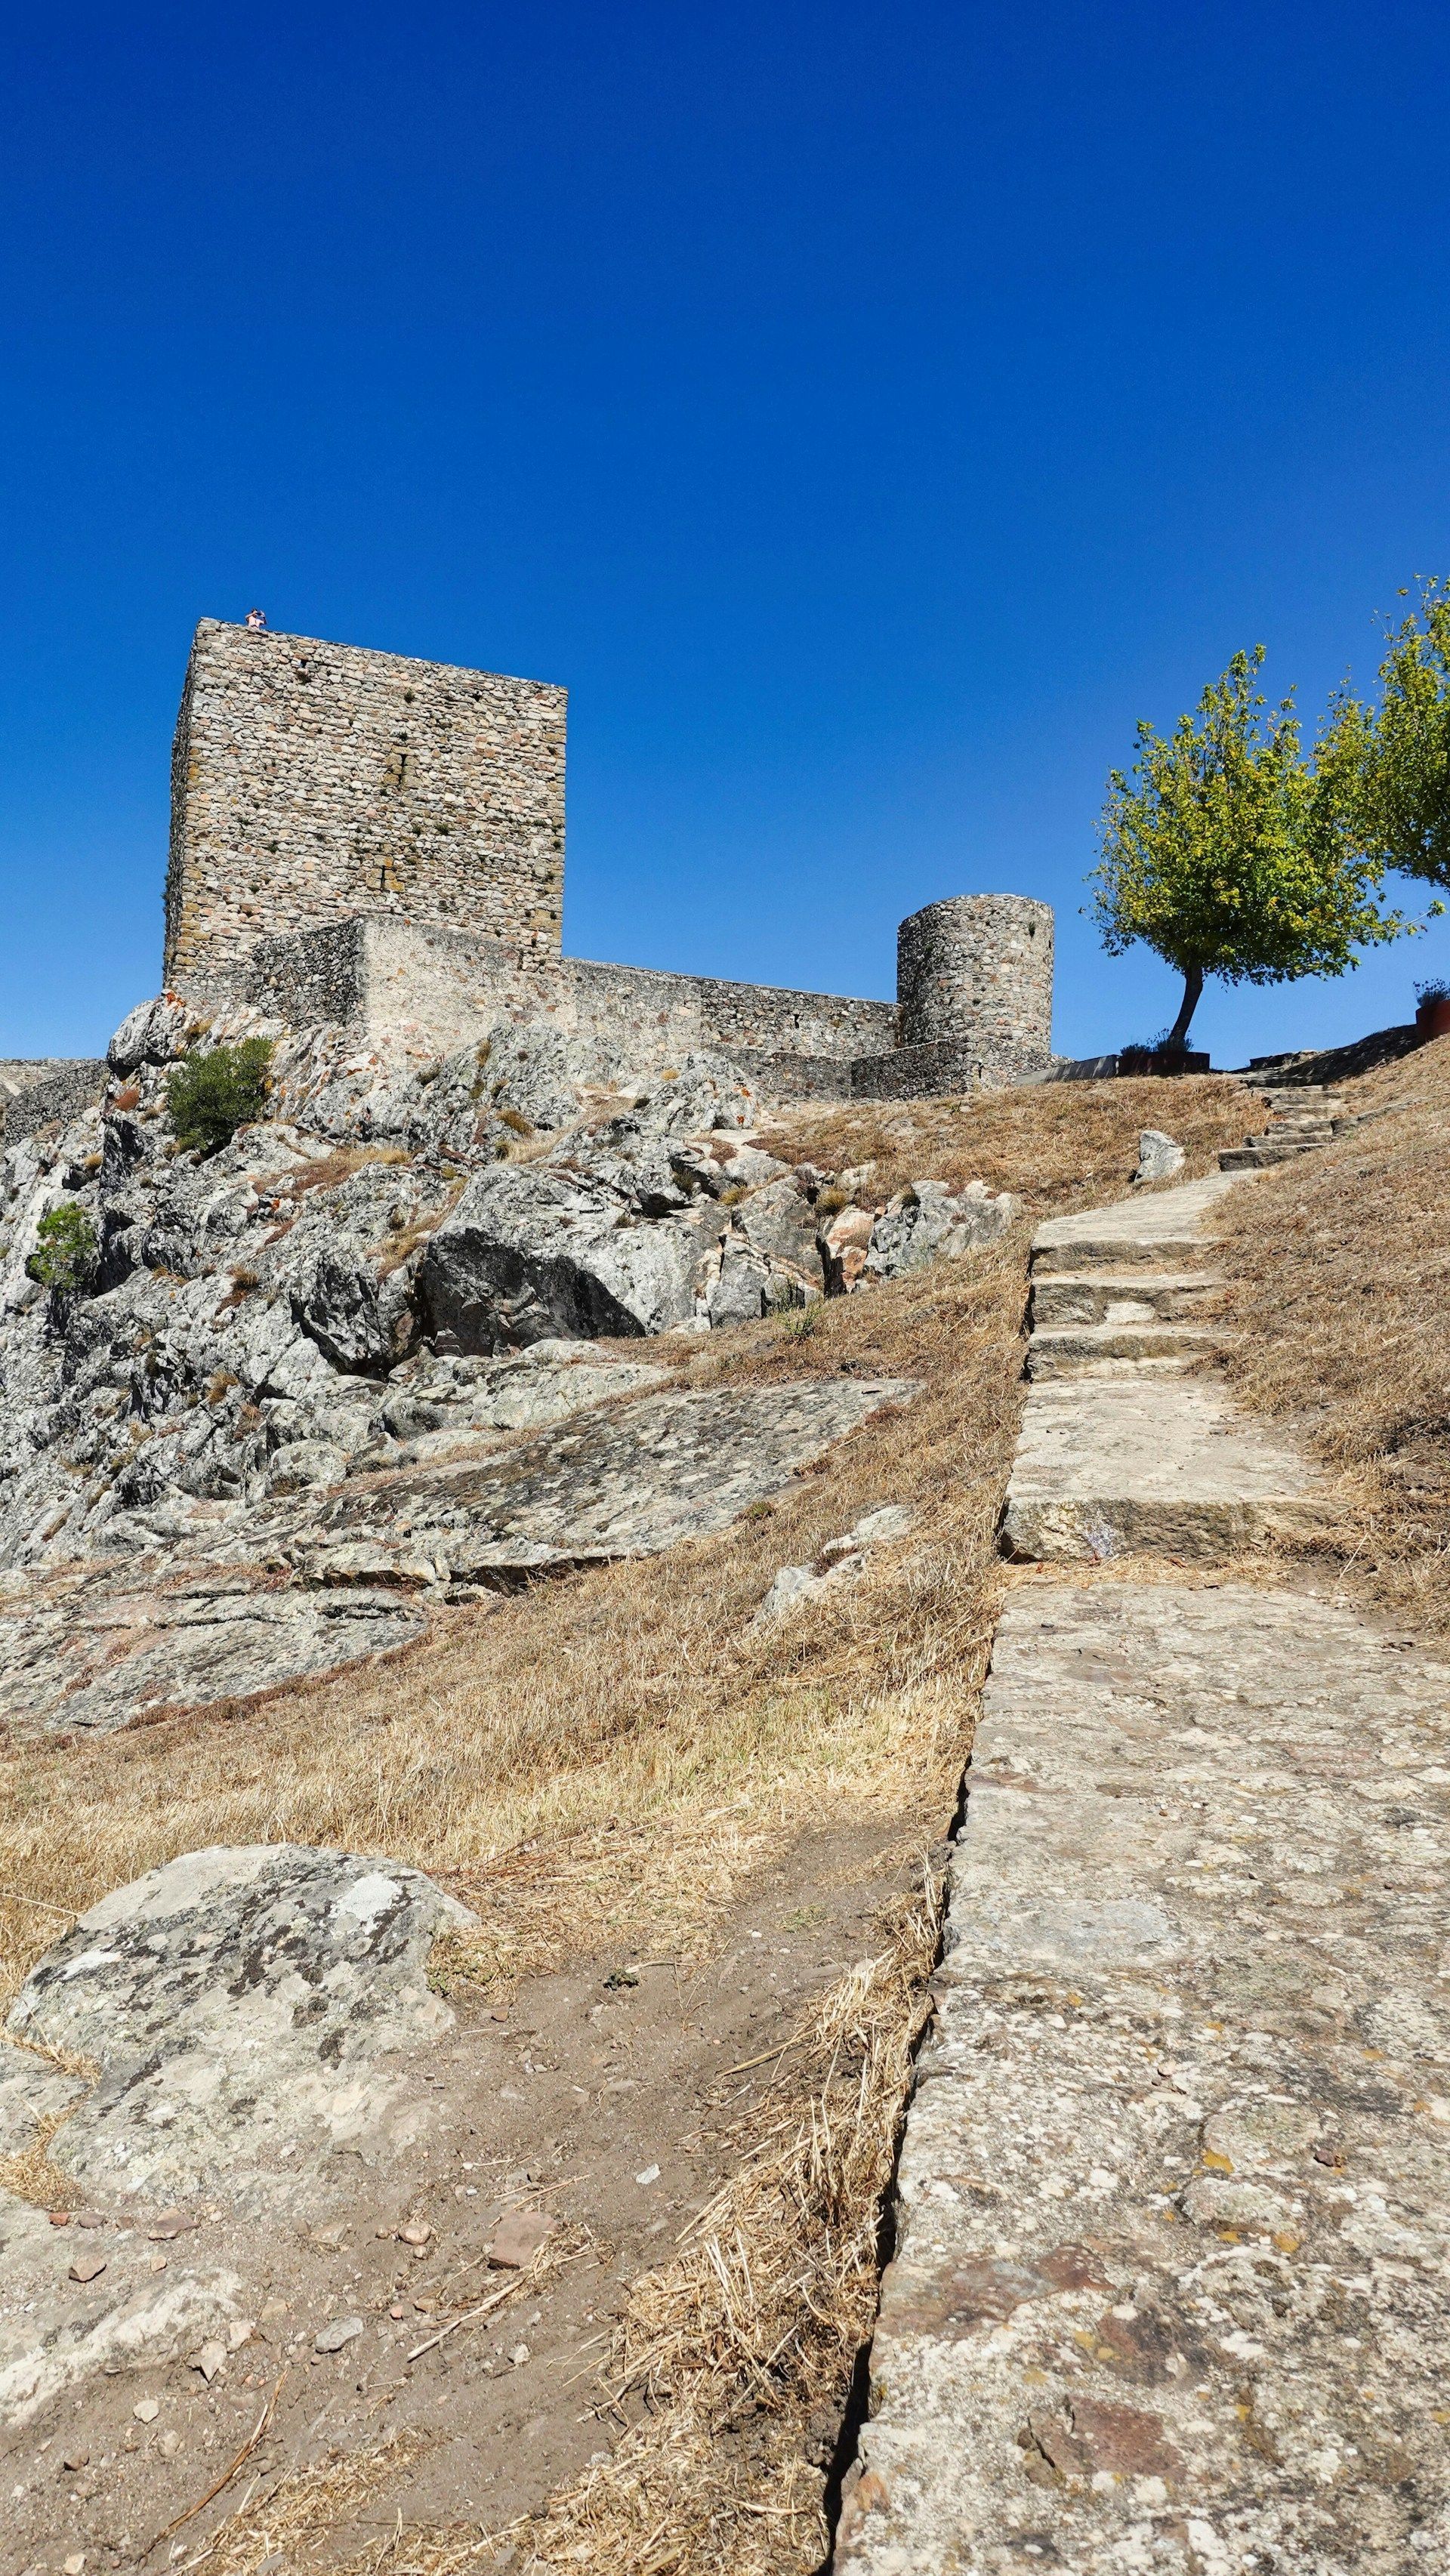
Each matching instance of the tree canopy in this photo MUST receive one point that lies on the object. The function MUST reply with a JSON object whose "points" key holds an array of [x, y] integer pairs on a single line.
{"points": [[1393, 759], [1229, 854]]}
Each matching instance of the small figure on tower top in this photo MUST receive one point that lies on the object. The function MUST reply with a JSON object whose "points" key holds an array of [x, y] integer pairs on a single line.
{"points": [[257, 620]]}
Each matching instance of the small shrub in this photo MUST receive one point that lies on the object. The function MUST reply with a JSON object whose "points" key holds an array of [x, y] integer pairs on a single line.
{"points": [[801, 1322], [211, 1096], [67, 1253], [515, 1119], [1436, 990]]}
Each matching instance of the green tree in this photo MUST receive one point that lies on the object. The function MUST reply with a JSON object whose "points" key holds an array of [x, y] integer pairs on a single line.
{"points": [[1227, 854], [1394, 759], [211, 1096], [67, 1253]]}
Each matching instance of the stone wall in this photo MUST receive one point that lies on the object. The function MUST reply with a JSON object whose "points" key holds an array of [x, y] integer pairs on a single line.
{"points": [[314, 780], [35, 1090], [977, 970], [387, 974]]}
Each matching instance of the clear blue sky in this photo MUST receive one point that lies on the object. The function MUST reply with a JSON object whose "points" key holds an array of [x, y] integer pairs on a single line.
{"points": [[866, 410]]}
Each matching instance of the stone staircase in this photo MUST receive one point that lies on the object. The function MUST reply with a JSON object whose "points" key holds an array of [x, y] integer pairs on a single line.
{"points": [[1122, 1448], [1124, 1288], [1180, 2122], [1302, 1117]]}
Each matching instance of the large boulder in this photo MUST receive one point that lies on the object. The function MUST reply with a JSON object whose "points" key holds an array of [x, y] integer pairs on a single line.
{"points": [[928, 1222], [539, 1251], [242, 2006]]}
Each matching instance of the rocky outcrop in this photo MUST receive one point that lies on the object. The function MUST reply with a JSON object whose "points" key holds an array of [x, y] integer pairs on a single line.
{"points": [[241, 2008], [293, 1366], [232, 2024]]}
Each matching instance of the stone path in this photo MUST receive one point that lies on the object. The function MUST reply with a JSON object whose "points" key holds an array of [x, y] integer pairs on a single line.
{"points": [[1122, 1449], [1174, 2205]]}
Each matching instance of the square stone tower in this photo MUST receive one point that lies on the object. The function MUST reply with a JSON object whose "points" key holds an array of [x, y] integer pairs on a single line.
{"points": [[311, 781]]}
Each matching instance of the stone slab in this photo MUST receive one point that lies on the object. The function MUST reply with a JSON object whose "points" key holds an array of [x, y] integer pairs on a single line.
{"points": [[1111, 1463], [1079, 1346], [1107, 1297], [664, 1468], [97, 1653], [1170, 2290], [1158, 1226]]}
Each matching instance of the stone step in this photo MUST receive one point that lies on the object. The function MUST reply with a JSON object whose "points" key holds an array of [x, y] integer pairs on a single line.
{"points": [[1119, 1297], [1108, 1465], [1052, 1354], [1159, 1230], [1261, 1157]]}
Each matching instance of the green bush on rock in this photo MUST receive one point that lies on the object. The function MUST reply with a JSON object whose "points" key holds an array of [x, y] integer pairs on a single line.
{"points": [[211, 1096], [67, 1252]]}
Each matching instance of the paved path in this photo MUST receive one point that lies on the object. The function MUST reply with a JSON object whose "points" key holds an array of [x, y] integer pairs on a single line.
{"points": [[1172, 2287]]}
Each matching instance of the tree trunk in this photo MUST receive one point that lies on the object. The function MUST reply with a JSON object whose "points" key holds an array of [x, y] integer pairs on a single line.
{"points": [[1177, 1038]]}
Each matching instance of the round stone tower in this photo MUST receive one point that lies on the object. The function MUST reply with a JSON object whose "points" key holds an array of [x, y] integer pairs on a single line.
{"points": [[975, 972]]}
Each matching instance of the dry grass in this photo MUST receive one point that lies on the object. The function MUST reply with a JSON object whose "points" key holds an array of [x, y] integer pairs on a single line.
{"points": [[1058, 1144], [1340, 1301], [605, 1759]]}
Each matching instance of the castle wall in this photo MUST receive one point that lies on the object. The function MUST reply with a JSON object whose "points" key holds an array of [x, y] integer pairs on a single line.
{"points": [[314, 780], [392, 974]]}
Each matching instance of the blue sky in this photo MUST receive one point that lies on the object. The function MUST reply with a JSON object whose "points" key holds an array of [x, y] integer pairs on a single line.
{"points": [[866, 411]]}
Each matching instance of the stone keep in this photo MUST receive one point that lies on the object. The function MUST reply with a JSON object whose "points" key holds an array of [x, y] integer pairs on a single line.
{"points": [[312, 781], [977, 971]]}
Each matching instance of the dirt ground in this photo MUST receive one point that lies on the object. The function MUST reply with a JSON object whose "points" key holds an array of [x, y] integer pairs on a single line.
{"points": [[589, 2080], [686, 1841]]}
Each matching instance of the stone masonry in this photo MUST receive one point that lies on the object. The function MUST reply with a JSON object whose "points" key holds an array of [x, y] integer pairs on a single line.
{"points": [[976, 967], [314, 780], [365, 838]]}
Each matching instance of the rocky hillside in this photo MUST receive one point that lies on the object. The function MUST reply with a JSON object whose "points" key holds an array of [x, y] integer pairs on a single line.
{"points": [[278, 1357]]}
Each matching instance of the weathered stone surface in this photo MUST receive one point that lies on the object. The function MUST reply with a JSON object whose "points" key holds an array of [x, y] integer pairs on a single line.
{"points": [[242, 2006], [929, 1223], [1152, 1230], [842, 1560], [1175, 2193], [1159, 1156], [627, 1483], [98, 1653], [1109, 1464], [55, 2334], [534, 1252]]}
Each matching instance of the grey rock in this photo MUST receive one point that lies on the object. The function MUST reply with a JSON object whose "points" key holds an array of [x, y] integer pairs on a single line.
{"points": [[538, 1250], [745, 1285], [306, 1462], [642, 1477], [1159, 1156], [927, 1222], [778, 1221], [343, 2330], [842, 1560], [248, 2010], [103, 1650], [155, 1033], [55, 2335]]}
